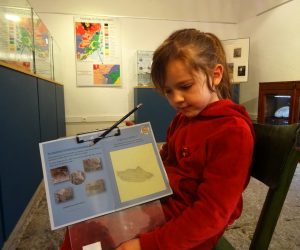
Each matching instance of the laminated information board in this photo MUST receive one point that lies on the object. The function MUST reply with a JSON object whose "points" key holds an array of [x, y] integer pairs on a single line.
{"points": [[86, 177]]}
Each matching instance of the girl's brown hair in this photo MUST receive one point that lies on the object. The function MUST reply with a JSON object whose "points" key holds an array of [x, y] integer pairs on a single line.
{"points": [[199, 51]]}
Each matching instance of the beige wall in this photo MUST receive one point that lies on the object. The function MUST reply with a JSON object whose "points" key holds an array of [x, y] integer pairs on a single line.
{"points": [[188, 10], [272, 25], [96, 104], [274, 50]]}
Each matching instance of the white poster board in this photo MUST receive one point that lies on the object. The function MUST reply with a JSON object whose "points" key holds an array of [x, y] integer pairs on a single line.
{"points": [[237, 55], [144, 62]]}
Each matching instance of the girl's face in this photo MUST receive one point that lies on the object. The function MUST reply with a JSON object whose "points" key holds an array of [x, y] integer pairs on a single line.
{"points": [[186, 91]]}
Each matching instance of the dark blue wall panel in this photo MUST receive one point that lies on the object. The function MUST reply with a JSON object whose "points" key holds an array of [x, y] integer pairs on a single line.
{"points": [[156, 109], [32, 110], [20, 165], [2, 237], [60, 110], [47, 110], [235, 91]]}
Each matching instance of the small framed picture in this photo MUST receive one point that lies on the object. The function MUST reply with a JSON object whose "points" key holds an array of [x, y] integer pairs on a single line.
{"points": [[241, 70], [237, 52]]}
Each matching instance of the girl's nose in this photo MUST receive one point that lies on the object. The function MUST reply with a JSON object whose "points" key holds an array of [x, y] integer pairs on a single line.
{"points": [[177, 97]]}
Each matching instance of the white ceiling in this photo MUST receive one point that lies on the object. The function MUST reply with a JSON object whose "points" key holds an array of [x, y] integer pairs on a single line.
{"points": [[194, 10], [15, 3], [223, 11]]}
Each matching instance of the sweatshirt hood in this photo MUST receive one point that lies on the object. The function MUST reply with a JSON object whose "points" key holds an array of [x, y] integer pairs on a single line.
{"points": [[224, 108]]}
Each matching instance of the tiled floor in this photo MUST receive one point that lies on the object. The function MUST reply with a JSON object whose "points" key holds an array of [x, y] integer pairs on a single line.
{"points": [[287, 232], [37, 235]]}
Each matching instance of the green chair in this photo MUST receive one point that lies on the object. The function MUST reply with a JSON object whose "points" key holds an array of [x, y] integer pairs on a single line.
{"points": [[274, 163]]}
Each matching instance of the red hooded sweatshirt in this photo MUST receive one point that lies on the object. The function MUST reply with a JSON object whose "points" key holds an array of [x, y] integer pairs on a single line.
{"points": [[207, 159]]}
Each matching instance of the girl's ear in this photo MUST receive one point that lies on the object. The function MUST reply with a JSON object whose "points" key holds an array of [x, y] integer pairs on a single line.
{"points": [[218, 74]]}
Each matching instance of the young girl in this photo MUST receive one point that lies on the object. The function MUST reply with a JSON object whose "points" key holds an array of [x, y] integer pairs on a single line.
{"points": [[209, 144]]}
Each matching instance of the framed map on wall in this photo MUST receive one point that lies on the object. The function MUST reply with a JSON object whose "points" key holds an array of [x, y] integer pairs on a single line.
{"points": [[97, 51], [237, 55]]}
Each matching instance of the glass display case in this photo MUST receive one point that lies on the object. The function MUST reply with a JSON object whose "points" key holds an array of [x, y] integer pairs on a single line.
{"points": [[278, 102], [25, 42]]}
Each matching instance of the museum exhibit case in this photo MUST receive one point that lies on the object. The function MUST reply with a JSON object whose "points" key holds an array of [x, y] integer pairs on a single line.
{"points": [[25, 42], [278, 102]]}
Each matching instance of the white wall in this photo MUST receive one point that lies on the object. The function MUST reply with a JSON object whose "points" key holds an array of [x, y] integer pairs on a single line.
{"points": [[274, 49], [189, 10], [249, 9], [100, 104]]}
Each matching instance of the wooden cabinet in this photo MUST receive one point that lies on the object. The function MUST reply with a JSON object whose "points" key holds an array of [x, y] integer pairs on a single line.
{"points": [[32, 110], [278, 102]]}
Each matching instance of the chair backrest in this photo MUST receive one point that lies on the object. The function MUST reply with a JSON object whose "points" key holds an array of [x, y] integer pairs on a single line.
{"points": [[275, 159]]}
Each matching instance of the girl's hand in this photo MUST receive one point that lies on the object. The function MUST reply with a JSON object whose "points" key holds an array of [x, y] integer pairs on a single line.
{"points": [[129, 123], [130, 245]]}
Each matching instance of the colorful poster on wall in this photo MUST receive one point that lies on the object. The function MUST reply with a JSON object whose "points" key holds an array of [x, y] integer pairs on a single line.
{"points": [[98, 51], [16, 42], [42, 45]]}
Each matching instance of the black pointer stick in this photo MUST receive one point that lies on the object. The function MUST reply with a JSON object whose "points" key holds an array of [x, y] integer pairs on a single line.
{"points": [[106, 132]]}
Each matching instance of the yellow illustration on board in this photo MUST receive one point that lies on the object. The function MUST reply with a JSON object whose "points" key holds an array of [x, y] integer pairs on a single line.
{"points": [[137, 172]]}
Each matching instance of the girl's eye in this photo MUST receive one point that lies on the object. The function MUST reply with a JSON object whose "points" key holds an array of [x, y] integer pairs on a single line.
{"points": [[167, 91], [186, 86]]}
